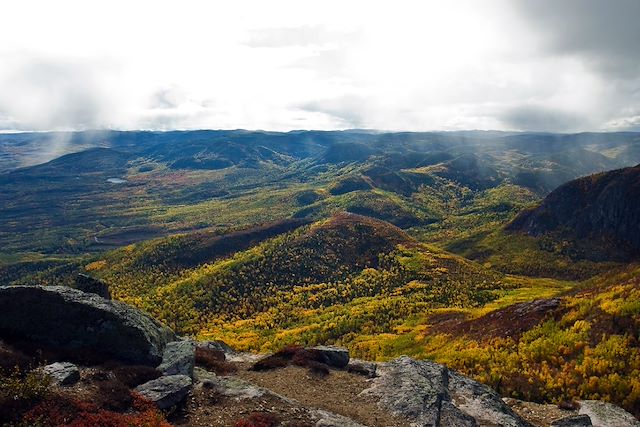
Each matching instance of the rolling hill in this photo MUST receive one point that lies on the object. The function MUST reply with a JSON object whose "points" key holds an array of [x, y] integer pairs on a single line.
{"points": [[471, 248]]}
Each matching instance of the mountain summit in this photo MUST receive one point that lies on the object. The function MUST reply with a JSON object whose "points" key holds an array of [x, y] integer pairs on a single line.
{"points": [[601, 212]]}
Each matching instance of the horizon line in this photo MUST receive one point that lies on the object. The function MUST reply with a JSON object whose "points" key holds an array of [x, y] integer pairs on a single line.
{"points": [[354, 130]]}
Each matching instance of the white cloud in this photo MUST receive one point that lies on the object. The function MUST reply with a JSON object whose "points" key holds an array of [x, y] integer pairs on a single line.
{"points": [[413, 65]]}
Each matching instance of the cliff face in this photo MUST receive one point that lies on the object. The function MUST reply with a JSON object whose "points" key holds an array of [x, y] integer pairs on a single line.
{"points": [[602, 208]]}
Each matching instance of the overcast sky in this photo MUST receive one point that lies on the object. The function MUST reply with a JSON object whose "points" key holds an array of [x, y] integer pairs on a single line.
{"points": [[571, 65]]}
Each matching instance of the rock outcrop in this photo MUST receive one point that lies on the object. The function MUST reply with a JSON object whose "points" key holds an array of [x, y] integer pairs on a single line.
{"points": [[65, 317], [603, 414], [179, 358], [573, 421], [63, 373], [426, 393], [335, 357], [166, 391], [481, 402], [398, 393]]}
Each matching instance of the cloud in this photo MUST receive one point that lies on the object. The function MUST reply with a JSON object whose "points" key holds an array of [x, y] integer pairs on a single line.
{"points": [[541, 118], [346, 111], [44, 94], [507, 64], [307, 35], [168, 97], [629, 123], [605, 34]]}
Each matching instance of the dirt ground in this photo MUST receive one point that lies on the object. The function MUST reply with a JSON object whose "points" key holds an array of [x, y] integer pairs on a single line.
{"points": [[293, 394], [339, 392]]}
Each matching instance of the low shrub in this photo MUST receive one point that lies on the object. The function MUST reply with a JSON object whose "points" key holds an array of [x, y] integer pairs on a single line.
{"points": [[279, 359], [134, 375], [306, 355], [258, 419], [19, 391], [64, 410], [214, 360], [297, 355], [113, 395]]}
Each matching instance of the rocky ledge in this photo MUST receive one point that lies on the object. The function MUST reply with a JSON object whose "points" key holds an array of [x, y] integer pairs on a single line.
{"points": [[209, 384], [69, 318]]}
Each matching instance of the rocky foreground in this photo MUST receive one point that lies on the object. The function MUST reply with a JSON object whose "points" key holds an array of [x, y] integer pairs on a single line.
{"points": [[100, 362]]}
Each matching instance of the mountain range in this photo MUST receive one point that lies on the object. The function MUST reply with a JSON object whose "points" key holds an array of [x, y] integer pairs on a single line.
{"points": [[510, 257]]}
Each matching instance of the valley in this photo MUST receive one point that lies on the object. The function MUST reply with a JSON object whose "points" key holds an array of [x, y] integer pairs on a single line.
{"points": [[440, 245]]}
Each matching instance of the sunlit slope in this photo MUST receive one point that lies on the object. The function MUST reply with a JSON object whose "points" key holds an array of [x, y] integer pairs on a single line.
{"points": [[328, 263]]}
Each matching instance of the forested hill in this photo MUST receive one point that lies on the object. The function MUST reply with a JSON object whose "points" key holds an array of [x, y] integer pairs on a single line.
{"points": [[462, 247], [600, 213]]}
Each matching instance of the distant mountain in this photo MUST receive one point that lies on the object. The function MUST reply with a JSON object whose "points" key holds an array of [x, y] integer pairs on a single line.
{"points": [[385, 243], [598, 214], [79, 192]]}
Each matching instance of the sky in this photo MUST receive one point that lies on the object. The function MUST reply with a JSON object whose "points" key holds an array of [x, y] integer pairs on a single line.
{"points": [[536, 65]]}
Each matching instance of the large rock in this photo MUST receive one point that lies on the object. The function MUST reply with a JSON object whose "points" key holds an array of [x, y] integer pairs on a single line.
{"points": [[65, 317], [603, 414], [63, 373], [573, 421], [179, 358], [427, 394], [336, 357], [90, 285], [481, 402], [166, 391]]}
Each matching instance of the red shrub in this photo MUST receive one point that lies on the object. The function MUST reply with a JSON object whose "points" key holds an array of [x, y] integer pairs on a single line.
{"points": [[214, 360], [570, 405], [258, 419], [134, 375], [279, 359], [113, 395], [210, 354], [270, 362], [306, 355], [65, 411]]}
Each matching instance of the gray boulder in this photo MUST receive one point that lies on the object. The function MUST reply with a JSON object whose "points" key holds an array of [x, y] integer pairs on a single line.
{"points": [[66, 317], [481, 402], [234, 387], [336, 357], [411, 389], [63, 373], [426, 393], [86, 283], [166, 391], [603, 414], [179, 358], [573, 421], [450, 415]]}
